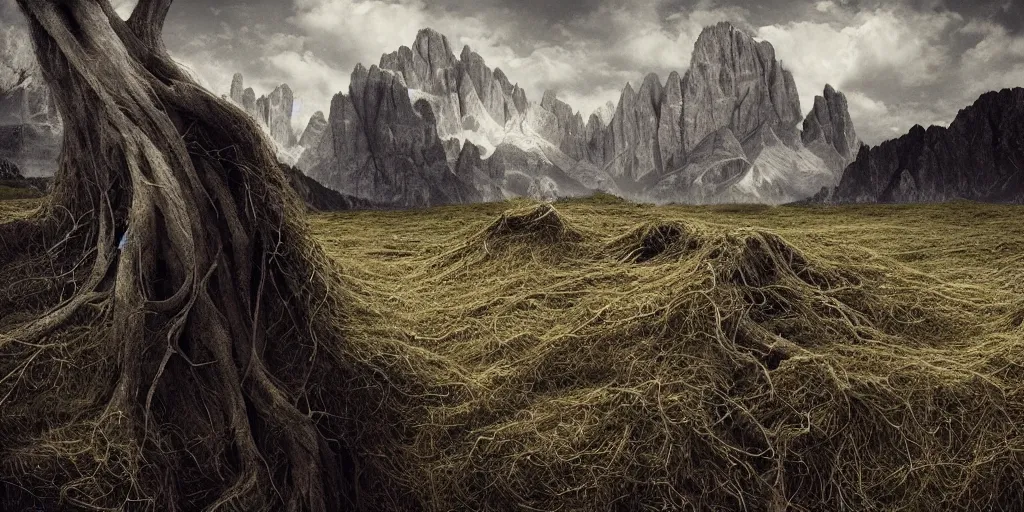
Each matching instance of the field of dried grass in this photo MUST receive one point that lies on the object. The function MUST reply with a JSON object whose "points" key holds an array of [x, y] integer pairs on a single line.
{"points": [[595, 354]]}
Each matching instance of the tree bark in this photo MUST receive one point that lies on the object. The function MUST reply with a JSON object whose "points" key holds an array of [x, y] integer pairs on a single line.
{"points": [[209, 321]]}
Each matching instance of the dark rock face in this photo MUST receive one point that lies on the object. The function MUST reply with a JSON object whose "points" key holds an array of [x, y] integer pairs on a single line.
{"points": [[262, 110], [830, 122], [9, 171], [278, 115], [380, 147], [594, 137], [636, 146], [249, 101], [452, 150], [979, 157], [472, 169], [320, 198], [314, 130], [343, 152], [711, 167], [670, 130], [631, 150], [493, 89]]}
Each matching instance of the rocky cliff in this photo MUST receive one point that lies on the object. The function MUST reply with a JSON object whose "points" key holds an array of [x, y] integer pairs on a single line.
{"points": [[828, 130], [272, 111], [631, 143], [726, 130], [381, 146], [9, 170], [979, 157], [314, 131], [320, 198], [439, 129]]}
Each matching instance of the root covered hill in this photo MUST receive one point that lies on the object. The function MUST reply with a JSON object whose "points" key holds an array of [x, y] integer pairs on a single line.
{"points": [[632, 358], [598, 355]]}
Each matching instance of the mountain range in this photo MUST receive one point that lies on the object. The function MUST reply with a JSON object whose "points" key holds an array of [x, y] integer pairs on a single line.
{"points": [[425, 127], [979, 157]]}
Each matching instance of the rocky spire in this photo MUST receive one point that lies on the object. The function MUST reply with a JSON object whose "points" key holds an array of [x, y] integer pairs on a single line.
{"points": [[379, 145], [314, 130], [280, 105], [429, 66], [631, 147], [572, 132], [236, 88], [829, 121], [736, 82], [274, 111], [249, 101], [670, 135]]}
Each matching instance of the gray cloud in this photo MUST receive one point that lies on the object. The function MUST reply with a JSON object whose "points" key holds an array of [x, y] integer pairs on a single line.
{"points": [[900, 63]]}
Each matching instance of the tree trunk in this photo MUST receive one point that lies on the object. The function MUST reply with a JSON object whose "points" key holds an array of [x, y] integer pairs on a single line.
{"points": [[208, 326]]}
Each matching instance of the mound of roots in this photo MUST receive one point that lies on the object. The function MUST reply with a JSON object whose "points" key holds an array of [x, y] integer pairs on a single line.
{"points": [[687, 367], [545, 362], [538, 231]]}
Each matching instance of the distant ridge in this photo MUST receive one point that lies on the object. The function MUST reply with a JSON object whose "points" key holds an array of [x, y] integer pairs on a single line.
{"points": [[979, 157], [426, 127]]}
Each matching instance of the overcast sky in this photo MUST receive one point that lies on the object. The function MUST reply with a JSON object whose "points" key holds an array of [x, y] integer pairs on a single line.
{"points": [[900, 63]]}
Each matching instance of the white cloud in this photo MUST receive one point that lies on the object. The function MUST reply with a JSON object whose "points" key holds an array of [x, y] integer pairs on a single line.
{"points": [[586, 71], [312, 93], [899, 46], [897, 66]]}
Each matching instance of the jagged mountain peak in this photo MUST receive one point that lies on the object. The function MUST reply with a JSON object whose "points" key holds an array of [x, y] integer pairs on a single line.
{"points": [[237, 88], [434, 48], [829, 127], [446, 104], [720, 30], [283, 88], [977, 158], [652, 91], [651, 81], [551, 101], [272, 111], [315, 128]]}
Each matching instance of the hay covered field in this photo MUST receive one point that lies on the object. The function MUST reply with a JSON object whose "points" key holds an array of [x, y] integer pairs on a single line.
{"points": [[597, 354]]}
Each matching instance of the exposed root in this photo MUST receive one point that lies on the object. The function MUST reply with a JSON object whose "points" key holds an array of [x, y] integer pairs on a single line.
{"points": [[217, 360], [536, 230], [731, 370], [653, 240]]}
